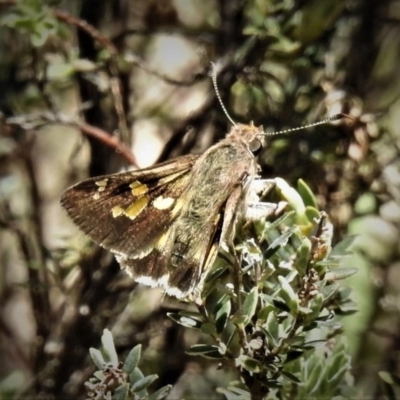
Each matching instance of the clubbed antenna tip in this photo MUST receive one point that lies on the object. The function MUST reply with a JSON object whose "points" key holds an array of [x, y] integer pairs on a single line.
{"points": [[333, 118]]}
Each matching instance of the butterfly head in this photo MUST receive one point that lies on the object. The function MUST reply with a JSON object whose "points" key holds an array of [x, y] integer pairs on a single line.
{"points": [[252, 136]]}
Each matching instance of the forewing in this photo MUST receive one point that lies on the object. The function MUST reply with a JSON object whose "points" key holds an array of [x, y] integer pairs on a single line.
{"points": [[127, 213]]}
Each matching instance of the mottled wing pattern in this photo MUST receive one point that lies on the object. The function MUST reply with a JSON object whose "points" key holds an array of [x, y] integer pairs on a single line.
{"points": [[162, 266], [127, 213]]}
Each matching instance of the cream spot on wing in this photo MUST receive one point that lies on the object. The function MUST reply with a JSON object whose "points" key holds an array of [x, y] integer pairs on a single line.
{"points": [[101, 185], [117, 211], [138, 188], [96, 196], [163, 203]]}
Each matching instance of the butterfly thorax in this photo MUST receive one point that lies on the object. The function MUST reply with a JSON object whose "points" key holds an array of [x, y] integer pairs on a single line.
{"points": [[205, 197]]}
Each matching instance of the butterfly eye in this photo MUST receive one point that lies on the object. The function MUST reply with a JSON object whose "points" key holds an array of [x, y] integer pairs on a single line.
{"points": [[255, 147]]}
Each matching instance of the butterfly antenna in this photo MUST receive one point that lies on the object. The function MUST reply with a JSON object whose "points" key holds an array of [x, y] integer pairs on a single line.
{"points": [[214, 81], [335, 117]]}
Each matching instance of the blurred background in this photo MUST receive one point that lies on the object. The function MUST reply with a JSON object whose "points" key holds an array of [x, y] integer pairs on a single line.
{"points": [[97, 86]]}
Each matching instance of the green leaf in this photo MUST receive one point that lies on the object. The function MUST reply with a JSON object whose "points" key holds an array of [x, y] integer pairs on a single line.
{"points": [[109, 348], [136, 376], [306, 194], [132, 360], [144, 383], [303, 256], [281, 305], [312, 213], [10, 20], [343, 247], [59, 71], [288, 295], [199, 349], [282, 220], [291, 377], [189, 322], [234, 393], [264, 312], [329, 290], [332, 325], [204, 350], [160, 393], [208, 328], [340, 273], [315, 304], [271, 327], [348, 307], [248, 363], [230, 394], [280, 241], [222, 316], [250, 305], [389, 378], [293, 198], [315, 377], [293, 355], [97, 358], [121, 392]]}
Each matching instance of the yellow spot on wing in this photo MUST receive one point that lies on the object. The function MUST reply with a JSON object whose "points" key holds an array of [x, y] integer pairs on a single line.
{"points": [[96, 196], [136, 207], [163, 203], [138, 188]]}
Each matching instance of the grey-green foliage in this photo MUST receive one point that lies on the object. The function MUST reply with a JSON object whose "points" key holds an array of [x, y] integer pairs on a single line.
{"points": [[33, 18], [123, 380], [281, 334]]}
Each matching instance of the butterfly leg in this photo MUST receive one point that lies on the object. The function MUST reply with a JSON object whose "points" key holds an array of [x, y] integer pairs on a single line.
{"points": [[256, 209], [235, 200], [262, 186]]}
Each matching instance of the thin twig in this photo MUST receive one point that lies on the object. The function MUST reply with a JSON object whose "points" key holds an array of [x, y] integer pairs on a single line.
{"points": [[86, 27], [107, 139], [115, 82], [33, 121]]}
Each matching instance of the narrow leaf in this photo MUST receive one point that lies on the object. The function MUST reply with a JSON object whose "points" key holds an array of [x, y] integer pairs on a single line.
{"points": [[144, 383], [291, 377], [340, 273], [222, 316], [160, 393], [289, 295], [132, 360], [97, 358], [109, 347], [250, 304], [121, 392], [188, 322], [200, 349], [306, 194]]}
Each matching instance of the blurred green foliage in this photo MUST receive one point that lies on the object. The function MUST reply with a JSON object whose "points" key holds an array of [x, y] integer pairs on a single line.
{"points": [[282, 64]]}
